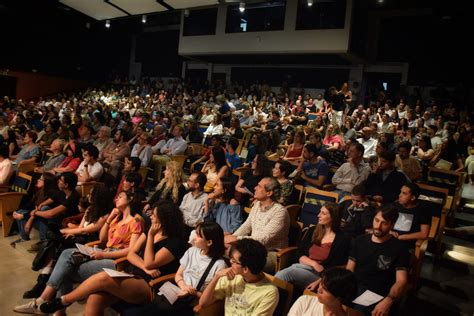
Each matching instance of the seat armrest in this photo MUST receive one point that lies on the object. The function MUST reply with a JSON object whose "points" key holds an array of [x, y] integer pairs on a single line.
{"points": [[121, 263], [162, 279], [285, 257]]}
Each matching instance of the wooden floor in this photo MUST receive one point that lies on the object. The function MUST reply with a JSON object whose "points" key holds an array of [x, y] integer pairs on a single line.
{"points": [[17, 277]]}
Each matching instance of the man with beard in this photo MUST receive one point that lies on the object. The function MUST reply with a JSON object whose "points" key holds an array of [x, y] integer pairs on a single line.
{"points": [[380, 263], [113, 155]]}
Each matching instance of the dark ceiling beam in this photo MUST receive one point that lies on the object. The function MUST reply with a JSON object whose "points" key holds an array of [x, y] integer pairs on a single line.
{"points": [[117, 7], [166, 5]]}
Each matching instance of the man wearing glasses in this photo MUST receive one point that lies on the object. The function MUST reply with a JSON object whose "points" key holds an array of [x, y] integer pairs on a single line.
{"points": [[268, 222], [244, 286]]}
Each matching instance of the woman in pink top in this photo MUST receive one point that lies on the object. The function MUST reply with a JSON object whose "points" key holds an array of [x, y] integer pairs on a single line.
{"points": [[333, 140]]}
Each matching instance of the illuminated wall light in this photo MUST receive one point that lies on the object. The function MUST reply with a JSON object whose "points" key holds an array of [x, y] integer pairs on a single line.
{"points": [[186, 12], [242, 7], [107, 24], [144, 18], [310, 3], [380, 1]]}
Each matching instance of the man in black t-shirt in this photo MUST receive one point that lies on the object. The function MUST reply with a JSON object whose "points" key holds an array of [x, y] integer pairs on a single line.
{"points": [[67, 201], [414, 220], [380, 263]]}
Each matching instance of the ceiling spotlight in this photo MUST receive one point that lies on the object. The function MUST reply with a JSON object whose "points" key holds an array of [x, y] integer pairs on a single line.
{"points": [[310, 3], [380, 1], [88, 25], [186, 13], [242, 7], [144, 18], [107, 24]]}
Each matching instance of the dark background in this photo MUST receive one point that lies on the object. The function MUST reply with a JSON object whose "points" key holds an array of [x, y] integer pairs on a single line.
{"points": [[53, 39]]}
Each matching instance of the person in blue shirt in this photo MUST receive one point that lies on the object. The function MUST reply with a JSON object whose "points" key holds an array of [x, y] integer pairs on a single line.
{"points": [[232, 158], [313, 170]]}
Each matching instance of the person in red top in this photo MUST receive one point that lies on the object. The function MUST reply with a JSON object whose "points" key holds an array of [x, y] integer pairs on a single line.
{"points": [[72, 160], [332, 140], [322, 247]]}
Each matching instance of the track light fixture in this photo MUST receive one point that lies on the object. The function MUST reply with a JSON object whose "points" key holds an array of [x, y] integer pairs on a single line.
{"points": [[107, 24], [144, 18], [310, 3]]}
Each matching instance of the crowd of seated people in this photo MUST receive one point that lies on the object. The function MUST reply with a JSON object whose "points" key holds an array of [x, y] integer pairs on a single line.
{"points": [[219, 219]]}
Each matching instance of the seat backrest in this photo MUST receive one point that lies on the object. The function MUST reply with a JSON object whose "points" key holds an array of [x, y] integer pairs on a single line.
{"points": [[239, 148], [285, 291], [21, 182], [433, 198], [203, 128], [444, 179], [314, 199], [180, 159]]}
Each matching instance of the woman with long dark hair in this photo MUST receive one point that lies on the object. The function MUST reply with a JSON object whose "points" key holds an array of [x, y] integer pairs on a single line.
{"points": [[245, 187], [119, 234], [221, 207], [155, 253], [323, 246], [215, 168], [47, 187]]}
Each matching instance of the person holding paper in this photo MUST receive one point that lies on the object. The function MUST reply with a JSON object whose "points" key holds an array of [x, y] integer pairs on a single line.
{"points": [[120, 233], [414, 220], [323, 246], [152, 255], [380, 264], [338, 286], [191, 278]]}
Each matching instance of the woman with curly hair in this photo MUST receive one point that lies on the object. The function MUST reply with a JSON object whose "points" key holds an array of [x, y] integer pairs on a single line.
{"points": [[119, 234], [154, 254], [170, 187]]}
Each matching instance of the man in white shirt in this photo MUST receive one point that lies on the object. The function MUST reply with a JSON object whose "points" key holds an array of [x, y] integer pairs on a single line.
{"points": [[175, 146], [368, 142], [268, 221], [353, 172], [192, 205], [89, 169]]}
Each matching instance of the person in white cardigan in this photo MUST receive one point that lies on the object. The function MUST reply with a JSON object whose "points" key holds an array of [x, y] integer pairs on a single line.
{"points": [[215, 128]]}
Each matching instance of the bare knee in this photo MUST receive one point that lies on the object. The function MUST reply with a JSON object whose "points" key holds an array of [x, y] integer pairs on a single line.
{"points": [[95, 306]]}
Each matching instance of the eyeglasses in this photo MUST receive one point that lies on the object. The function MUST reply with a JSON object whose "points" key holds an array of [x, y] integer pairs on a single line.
{"points": [[233, 261]]}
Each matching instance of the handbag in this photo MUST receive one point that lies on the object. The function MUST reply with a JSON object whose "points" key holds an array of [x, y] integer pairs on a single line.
{"points": [[40, 259]]}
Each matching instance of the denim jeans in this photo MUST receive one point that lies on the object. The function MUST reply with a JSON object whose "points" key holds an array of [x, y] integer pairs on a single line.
{"points": [[66, 272], [299, 274], [39, 223]]}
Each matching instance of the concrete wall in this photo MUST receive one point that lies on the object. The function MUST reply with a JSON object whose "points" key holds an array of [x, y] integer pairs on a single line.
{"points": [[272, 42]]}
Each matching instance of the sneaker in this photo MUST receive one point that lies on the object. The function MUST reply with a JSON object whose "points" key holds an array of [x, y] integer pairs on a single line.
{"points": [[52, 306], [29, 308]]}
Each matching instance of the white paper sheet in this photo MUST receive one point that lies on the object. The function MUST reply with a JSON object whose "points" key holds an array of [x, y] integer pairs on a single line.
{"points": [[404, 222], [117, 274], [86, 250], [367, 298], [170, 291]]}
